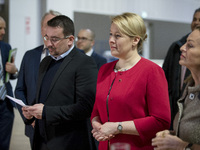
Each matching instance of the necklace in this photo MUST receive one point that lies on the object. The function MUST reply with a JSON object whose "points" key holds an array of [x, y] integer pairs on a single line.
{"points": [[116, 69], [122, 69]]}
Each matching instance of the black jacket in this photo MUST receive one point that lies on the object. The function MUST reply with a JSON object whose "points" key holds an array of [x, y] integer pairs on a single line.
{"points": [[69, 102]]}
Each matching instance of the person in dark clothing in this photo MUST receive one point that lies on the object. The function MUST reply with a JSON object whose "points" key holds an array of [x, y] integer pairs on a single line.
{"points": [[85, 41], [6, 105], [174, 72], [65, 92]]}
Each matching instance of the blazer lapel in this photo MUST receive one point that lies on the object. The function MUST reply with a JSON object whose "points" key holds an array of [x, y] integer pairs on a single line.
{"points": [[42, 72], [37, 59], [3, 54]]}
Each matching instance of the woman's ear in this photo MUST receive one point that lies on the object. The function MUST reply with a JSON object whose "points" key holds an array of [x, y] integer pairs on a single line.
{"points": [[136, 40]]}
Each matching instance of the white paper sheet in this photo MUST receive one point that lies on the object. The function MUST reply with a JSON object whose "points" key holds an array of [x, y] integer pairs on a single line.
{"points": [[18, 101]]}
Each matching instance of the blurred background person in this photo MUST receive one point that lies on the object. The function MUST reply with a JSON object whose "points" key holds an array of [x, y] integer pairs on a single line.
{"points": [[174, 72], [85, 41], [186, 122], [6, 106], [132, 102], [28, 74]]}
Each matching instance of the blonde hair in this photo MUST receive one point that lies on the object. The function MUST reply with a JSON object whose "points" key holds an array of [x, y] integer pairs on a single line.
{"points": [[131, 25]]}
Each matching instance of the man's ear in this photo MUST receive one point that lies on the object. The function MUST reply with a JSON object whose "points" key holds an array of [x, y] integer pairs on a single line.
{"points": [[71, 40], [92, 43]]}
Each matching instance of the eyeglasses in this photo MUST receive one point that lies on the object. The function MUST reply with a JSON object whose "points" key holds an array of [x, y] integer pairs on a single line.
{"points": [[82, 39], [54, 39]]}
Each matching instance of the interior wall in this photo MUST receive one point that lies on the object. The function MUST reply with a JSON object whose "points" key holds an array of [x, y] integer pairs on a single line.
{"points": [[163, 10], [24, 26], [162, 35]]}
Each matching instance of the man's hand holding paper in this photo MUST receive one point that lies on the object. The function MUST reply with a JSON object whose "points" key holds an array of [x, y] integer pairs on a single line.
{"points": [[26, 113], [35, 110]]}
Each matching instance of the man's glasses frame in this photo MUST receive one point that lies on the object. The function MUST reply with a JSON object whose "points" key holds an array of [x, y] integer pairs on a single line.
{"points": [[54, 40], [82, 39]]}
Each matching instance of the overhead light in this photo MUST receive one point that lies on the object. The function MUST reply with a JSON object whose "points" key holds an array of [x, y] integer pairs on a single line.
{"points": [[144, 14]]}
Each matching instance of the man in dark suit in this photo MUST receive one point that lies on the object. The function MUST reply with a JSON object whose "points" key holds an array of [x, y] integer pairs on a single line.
{"points": [[65, 92], [6, 106], [27, 78], [85, 41]]}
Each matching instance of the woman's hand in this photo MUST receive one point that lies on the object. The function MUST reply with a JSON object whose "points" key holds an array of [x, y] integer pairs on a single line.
{"points": [[165, 141], [109, 129], [105, 132], [96, 124], [102, 132]]}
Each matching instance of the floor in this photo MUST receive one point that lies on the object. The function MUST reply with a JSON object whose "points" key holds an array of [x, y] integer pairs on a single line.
{"points": [[18, 140]]}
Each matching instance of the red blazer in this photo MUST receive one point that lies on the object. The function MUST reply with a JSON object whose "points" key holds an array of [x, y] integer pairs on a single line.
{"points": [[139, 94]]}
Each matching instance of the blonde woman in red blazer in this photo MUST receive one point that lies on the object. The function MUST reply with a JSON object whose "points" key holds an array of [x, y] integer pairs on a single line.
{"points": [[132, 102]]}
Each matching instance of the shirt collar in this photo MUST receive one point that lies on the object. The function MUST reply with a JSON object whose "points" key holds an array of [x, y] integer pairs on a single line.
{"points": [[44, 49], [62, 55], [90, 52]]}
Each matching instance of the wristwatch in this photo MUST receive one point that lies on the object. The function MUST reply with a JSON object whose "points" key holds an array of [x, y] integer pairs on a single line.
{"points": [[119, 127], [188, 147]]}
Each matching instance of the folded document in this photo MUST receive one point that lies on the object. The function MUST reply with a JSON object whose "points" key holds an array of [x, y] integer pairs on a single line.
{"points": [[18, 101]]}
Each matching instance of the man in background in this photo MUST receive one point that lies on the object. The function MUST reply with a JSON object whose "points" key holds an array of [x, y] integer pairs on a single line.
{"points": [[174, 72], [6, 106], [26, 84], [85, 42]]}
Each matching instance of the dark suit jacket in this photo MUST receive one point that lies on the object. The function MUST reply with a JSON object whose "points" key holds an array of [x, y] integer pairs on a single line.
{"points": [[6, 106], [69, 102], [27, 79], [5, 48], [98, 59]]}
